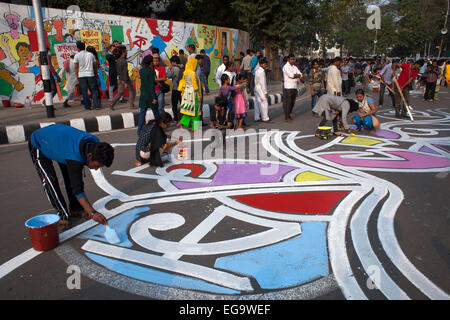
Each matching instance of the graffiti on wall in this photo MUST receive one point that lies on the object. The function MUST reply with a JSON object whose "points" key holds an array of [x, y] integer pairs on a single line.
{"points": [[20, 75]]}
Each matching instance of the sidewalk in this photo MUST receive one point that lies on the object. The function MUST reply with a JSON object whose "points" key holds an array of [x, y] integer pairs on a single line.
{"points": [[17, 124]]}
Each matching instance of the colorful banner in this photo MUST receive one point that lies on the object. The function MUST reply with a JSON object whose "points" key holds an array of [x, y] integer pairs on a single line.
{"points": [[92, 38], [63, 51]]}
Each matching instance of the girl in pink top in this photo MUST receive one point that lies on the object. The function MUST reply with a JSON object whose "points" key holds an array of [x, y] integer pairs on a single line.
{"points": [[240, 101]]}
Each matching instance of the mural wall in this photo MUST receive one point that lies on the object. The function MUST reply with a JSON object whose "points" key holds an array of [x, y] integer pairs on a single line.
{"points": [[20, 75]]}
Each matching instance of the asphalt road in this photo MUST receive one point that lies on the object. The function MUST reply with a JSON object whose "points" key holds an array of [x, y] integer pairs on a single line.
{"points": [[312, 253]]}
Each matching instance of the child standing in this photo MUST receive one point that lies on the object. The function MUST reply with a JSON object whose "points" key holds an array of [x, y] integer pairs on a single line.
{"points": [[226, 90], [240, 102]]}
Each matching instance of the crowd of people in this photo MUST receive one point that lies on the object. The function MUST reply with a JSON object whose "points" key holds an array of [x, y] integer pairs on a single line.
{"points": [[331, 83]]}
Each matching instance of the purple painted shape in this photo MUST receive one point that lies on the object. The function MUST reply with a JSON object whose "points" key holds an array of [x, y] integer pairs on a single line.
{"points": [[387, 134], [428, 150], [412, 161], [241, 173], [446, 148]]}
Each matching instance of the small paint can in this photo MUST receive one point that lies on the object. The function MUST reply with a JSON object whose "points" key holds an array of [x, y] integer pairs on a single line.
{"points": [[43, 231], [183, 152], [324, 133]]}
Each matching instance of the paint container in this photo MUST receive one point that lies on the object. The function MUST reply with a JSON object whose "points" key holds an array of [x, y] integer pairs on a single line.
{"points": [[6, 103], [183, 152], [324, 133], [43, 231]]}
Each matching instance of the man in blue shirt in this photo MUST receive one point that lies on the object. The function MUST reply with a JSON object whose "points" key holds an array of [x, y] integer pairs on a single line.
{"points": [[253, 66], [72, 149]]}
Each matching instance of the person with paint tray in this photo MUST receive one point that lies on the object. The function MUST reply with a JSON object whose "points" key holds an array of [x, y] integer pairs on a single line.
{"points": [[152, 146]]}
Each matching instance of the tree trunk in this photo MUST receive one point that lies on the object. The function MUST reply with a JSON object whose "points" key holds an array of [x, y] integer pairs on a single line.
{"points": [[273, 59]]}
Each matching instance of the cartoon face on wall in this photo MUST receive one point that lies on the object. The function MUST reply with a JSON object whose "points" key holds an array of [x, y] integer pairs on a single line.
{"points": [[23, 49], [163, 28], [54, 60], [106, 27], [13, 22], [48, 26], [77, 35], [30, 24], [106, 40], [70, 24]]}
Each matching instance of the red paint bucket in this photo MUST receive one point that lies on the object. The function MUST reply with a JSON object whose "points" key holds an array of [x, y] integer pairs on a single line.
{"points": [[44, 231], [6, 103]]}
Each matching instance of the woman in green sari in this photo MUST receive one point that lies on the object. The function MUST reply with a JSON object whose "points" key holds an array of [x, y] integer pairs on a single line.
{"points": [[191, 96]]}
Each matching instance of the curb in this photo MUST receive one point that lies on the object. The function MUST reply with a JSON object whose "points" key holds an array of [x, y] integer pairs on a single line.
{"points": [[21, 133]]}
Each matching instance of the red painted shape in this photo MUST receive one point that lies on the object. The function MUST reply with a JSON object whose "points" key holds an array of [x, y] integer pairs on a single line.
{"points": [[196, 169], [301, 202]]}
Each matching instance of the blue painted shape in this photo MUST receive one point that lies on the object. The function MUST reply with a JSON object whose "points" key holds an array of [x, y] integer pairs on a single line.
{"points": [[32, 12], [120, 224], [159, 43], [285, 264], [159, 277]]}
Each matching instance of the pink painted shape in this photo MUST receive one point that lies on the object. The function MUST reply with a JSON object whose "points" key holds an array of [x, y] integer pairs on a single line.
{"points": [[428, 150], [412, 161], [387, 134]]}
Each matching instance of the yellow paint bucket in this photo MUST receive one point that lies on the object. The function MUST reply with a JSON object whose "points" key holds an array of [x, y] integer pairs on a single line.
{"points": [[323, 133]]}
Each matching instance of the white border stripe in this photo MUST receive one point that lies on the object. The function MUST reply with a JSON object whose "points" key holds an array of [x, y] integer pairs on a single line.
{"points": [[128, 120], [104, 123], [46, 124], [16, 262], [15, 134], [78, 123]]}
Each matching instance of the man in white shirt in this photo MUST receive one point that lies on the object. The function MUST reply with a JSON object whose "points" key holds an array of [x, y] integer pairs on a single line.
{"points": [[291, 74], [221, 69], [334, 79], [261, 103], [245, 65], [85, 64]]}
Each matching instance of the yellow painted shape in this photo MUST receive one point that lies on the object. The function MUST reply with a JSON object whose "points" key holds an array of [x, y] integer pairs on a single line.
{"points": [[360, 141], [311, 176]]}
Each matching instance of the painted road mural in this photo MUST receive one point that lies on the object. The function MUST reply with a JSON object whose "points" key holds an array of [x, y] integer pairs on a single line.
{"points": [[20, 75], [260, 229]]}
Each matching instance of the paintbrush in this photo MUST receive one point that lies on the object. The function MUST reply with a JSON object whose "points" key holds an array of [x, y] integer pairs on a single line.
{"points": [[111, 235]]}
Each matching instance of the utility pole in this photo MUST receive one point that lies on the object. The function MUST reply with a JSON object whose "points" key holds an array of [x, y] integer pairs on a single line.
{"points": [[43, 58], [444, 30]]}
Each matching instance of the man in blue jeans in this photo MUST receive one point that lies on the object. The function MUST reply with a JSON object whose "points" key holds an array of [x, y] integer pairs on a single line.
{"points": [[85, 64]]}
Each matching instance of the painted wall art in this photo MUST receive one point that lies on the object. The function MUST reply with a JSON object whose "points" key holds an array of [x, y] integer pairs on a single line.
{"points": [[20, 75]]}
